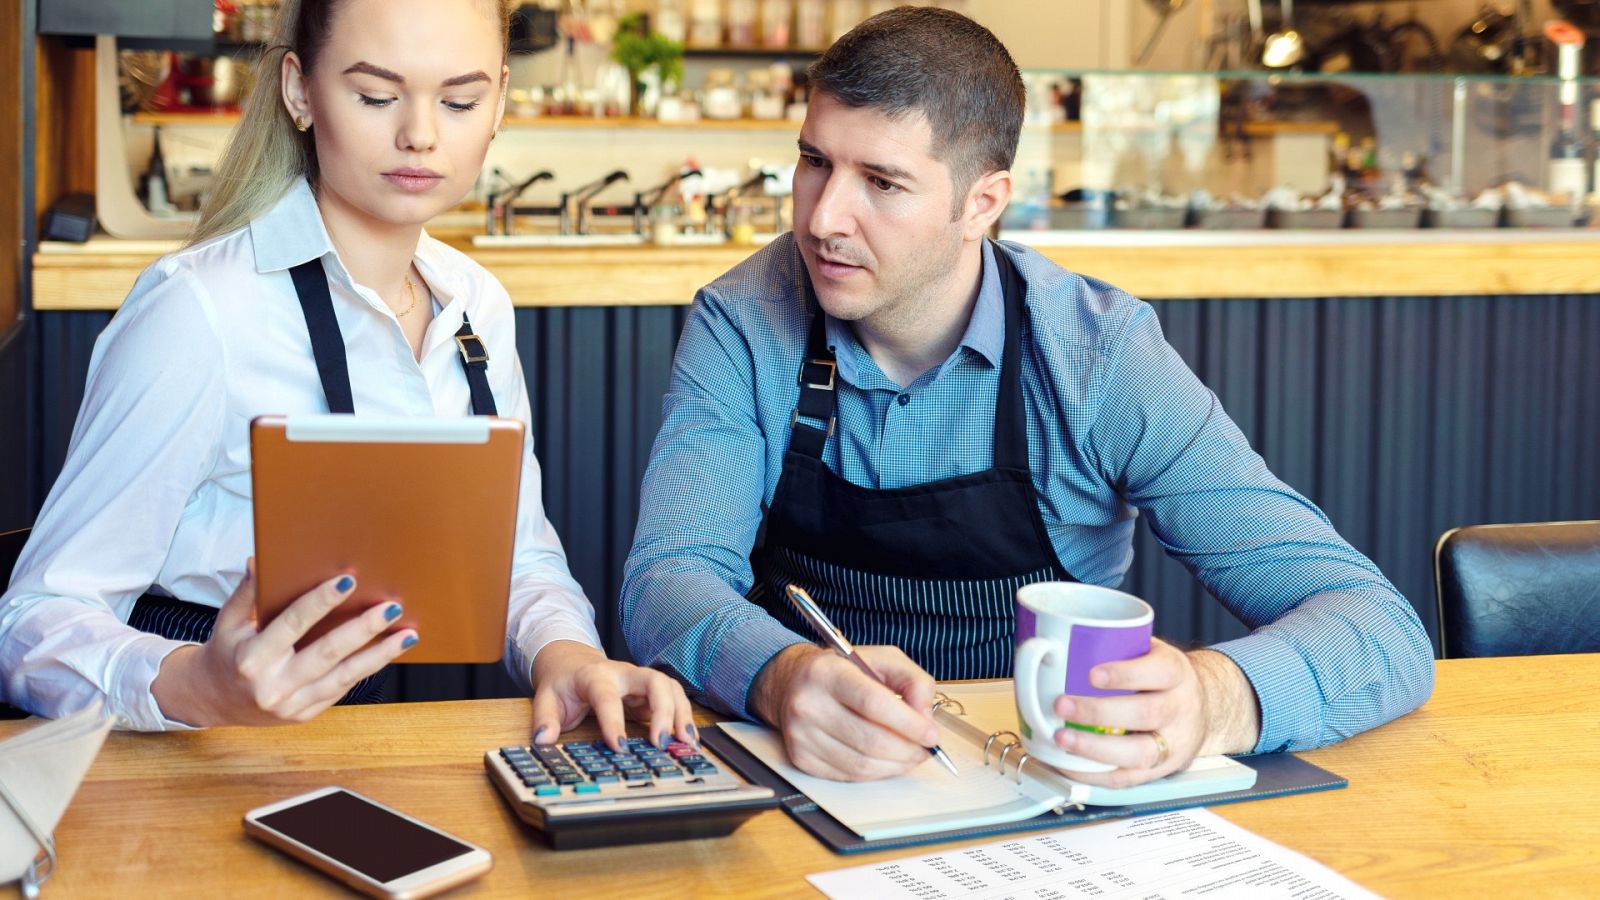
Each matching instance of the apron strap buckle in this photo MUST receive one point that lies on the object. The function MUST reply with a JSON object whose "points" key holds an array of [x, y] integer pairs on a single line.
{"points": [[472, 349], [794, 420], [819, 374]]}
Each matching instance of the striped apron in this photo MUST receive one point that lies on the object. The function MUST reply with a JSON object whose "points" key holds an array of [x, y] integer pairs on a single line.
{"points": [[179, 620], [932, 568]]}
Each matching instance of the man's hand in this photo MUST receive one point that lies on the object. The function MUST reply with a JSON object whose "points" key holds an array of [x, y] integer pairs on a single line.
{"points": [[1200, 703], [570, 678], [839, 723]]}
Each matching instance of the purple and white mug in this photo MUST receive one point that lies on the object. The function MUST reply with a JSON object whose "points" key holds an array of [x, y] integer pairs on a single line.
{"points": [[1064, 629]]}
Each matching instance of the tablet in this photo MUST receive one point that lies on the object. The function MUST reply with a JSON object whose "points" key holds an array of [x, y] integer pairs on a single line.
{"points": [[419, 510]]}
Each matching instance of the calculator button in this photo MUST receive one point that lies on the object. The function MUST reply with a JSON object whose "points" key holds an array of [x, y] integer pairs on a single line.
{"points": [[547, 790], [569, 778], [704, 768], [636, 775], [587, 788], [534, 780], [604, 777], [669, 773]]}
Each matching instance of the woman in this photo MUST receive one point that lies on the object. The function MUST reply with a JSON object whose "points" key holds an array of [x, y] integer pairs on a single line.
{"points": [[384, 116]]}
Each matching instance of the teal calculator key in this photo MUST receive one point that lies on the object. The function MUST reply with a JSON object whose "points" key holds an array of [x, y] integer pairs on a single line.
{"points": [[547, 790], [587, 787]]}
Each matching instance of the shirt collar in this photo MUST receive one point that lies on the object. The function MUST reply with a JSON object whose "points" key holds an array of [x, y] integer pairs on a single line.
{"points": [[985, 334], [292, 232]]}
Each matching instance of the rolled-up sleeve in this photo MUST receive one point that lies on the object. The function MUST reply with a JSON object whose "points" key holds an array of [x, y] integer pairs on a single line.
{"points": [[1334, 648], [683, 595]]}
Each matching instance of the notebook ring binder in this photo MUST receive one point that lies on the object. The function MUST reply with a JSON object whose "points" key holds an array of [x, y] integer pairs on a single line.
{"points": [[1015, 739], [44, 865], [942, 701]]}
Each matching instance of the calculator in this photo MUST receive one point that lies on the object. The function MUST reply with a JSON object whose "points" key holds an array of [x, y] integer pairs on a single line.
{"points": [[584, 794]]}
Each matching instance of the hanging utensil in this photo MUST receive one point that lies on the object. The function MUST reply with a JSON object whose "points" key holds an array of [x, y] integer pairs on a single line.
{"points": [[1284, 47], [1165, 9]]}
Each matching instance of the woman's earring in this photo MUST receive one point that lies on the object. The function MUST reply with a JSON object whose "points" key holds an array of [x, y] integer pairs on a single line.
{"points": [[494, 134], [300, 123]]}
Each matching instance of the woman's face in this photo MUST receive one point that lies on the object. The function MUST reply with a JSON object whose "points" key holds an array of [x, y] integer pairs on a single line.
{"points": [[403, 101]]}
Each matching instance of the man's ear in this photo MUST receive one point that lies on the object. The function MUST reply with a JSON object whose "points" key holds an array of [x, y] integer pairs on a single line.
{"points": [[986, 200], [296, 92]]}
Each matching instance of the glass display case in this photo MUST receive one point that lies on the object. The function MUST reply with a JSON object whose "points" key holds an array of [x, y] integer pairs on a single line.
{"points": [[1242, 150]]}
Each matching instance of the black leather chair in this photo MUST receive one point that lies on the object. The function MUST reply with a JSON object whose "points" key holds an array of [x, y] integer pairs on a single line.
{"points": [[1518, 590]]}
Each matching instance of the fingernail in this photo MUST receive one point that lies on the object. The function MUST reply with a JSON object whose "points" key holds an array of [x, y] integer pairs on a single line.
{"points": [[1065, 739], [661, 740], [694, 735], [539, 732], [1099, 678], [345, 584], [392, 613], [1065, 707], [409, 642]]}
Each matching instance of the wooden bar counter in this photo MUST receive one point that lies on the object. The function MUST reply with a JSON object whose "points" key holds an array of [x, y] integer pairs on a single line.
{"points": [[1149, 265], [1487, 791]]}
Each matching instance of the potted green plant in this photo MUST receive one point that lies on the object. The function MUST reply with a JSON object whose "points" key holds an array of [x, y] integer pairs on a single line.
{"points": [[639, 50]]}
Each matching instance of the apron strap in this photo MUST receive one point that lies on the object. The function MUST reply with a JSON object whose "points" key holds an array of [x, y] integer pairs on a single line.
{"points": [[819, 372], [1010, 419], [475, 362], [327, 344]]}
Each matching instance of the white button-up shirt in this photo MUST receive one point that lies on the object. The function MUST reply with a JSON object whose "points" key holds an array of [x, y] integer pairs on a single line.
{"points": [[156, 487]]}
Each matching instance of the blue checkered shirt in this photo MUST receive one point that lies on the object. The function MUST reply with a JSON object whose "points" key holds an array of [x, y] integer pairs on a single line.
{"points": [[1117, 423]]}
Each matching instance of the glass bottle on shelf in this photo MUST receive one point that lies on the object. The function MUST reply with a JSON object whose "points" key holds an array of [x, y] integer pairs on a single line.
{"points": [[669, 21], [705, 23], [1567, 175], [845, 15], [776, 16], [742, 24], [810, 24]]}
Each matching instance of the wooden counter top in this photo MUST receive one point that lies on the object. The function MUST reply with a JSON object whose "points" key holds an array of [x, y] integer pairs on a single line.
{"points": [[1151, 265]]}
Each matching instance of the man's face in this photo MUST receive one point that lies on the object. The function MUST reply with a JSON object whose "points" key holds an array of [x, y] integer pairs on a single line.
{"points": [[872, 212]]}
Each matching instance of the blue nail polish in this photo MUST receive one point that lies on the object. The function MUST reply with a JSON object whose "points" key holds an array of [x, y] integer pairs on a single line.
{"points": [[661, 740], [693, 734], [345, 584], [393, 612], [538, 732], [409, 642]]}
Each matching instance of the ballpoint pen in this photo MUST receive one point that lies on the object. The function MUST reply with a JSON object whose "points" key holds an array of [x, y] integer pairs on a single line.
{"points": [[819, 623]]}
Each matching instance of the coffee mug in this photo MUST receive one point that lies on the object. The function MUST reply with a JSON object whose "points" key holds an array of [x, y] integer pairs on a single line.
{"points": [[1064, 629]]}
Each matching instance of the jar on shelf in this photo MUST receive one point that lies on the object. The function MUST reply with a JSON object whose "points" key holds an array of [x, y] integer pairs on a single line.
{"points": [[705, 23], [669, 21], [810, 24], [742, 24], [776, 16]]}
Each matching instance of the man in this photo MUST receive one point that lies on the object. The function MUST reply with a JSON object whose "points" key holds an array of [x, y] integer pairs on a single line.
{"points": [[911, 421]]}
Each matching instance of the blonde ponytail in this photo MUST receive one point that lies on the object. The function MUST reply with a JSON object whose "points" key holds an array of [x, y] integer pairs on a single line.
{"points": [[266, 154]]}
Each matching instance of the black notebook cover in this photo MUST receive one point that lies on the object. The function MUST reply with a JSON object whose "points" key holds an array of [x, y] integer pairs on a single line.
{"points": [[1277, 774]]}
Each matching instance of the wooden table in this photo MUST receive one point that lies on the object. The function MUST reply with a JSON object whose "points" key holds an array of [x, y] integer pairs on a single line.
{"points": [[1492, 789]]}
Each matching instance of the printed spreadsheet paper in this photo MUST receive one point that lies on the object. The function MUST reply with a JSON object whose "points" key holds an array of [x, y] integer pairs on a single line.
{"points": [[1190, 853]]}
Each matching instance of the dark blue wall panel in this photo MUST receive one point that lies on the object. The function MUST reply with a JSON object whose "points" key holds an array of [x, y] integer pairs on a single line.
{"points": [[1401, 417]]}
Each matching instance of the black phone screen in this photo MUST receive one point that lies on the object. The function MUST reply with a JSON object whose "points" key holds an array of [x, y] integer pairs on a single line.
{"points": [[364, 837]]}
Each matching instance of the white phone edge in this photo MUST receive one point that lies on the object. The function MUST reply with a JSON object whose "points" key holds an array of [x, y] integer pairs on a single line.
{"points": [[349, 429], [402, 887]]}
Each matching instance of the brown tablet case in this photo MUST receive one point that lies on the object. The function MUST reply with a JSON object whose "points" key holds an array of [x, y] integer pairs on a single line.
{"points": [[428, 523]]}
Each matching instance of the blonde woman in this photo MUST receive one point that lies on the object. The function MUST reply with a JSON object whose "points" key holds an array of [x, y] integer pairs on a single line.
{"points": [[135, 588]]}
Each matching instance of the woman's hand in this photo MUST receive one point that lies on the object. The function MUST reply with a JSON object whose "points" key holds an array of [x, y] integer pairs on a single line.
{"points": [[249, 676], [570, 678]]}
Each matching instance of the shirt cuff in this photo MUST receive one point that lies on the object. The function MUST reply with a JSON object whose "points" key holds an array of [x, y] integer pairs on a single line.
{"points": [[739, 660], [521, 654], [1286, 689], [133, 705]]}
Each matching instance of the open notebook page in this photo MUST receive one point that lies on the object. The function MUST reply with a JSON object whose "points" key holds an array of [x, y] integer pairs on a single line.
{"points": [[925, 800]]}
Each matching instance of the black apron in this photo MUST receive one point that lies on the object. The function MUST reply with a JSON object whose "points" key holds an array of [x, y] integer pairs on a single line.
{"points": [[179, 620], [933, 568]]}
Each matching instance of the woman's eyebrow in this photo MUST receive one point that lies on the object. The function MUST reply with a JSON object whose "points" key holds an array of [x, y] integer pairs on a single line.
{"points": [[366, 68]]}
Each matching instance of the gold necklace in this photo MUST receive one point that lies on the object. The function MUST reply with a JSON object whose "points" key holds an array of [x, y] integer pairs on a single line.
{"points": [[412, 290]]}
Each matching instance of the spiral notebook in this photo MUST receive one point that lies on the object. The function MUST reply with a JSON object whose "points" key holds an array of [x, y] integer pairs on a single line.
{"points": [[1000, 789]]}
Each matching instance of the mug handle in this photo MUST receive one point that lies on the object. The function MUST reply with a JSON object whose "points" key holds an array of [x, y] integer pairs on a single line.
{"points": [[1036, 657]]}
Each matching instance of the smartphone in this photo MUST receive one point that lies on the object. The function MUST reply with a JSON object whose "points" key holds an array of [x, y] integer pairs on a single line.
{"points": [[378, 851]]}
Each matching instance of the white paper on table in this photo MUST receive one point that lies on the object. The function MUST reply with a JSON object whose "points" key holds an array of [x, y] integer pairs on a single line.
{"points": [[1189, 853], [41, 769]]}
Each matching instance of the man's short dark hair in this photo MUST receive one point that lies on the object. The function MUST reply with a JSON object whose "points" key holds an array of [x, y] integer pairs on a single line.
{"points": [[943, 65]]}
